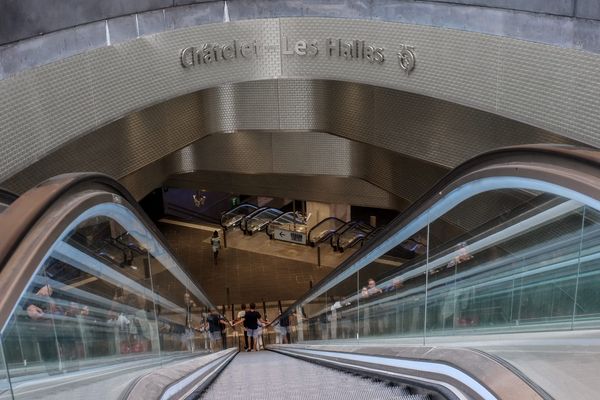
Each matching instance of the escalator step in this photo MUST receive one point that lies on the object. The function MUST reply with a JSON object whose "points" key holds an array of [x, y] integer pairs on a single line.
{"points": [[267, 375]]}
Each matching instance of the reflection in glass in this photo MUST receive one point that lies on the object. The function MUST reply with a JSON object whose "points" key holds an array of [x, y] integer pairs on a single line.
{"points": [[106, 302], [524, 261]]}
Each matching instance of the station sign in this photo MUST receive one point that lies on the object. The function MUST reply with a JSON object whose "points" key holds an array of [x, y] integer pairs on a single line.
{"points": [[289, 236], [356, 50]]}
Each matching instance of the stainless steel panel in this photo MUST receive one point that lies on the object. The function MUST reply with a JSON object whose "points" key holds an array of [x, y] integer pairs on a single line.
{"points": [[389, 125], [317, 188], [442, 69], [311, 154], [47, 109]]}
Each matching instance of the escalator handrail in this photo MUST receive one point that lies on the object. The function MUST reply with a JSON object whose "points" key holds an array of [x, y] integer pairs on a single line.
{"points": [[7, 197], [336, 235], [245, 219], [553, 163], [258, 212], [22, 216], [323, 221], [239, 206], [358, 226]]}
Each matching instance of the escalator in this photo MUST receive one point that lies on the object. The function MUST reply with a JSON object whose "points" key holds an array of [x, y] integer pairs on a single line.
{"points": [[93, 298], [323, 230], [355, 234], [267, 375], [517, 284], [94, 304], [235, 216]]}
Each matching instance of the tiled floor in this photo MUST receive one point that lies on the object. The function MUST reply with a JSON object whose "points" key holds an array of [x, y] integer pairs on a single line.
{"points": [[253, 268]]}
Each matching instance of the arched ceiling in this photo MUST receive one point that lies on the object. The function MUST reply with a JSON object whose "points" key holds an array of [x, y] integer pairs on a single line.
{"points": [[396, 143], [140, 90]]}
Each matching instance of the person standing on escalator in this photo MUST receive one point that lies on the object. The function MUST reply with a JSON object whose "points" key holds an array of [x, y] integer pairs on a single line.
{"points": [[240, 317], [251, 321], [41, 311], [215, 323]]}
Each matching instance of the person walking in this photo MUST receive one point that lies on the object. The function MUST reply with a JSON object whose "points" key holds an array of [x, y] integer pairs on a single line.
{"points": [[215, 244]]}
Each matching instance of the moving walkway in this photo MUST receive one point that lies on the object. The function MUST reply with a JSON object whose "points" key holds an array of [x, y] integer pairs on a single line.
{"points": [[94, 302]]}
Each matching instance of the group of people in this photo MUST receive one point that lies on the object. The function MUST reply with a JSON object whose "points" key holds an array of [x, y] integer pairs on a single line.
{"points": [[372, 290], [67, 331], [252, 325], [248, 318]]}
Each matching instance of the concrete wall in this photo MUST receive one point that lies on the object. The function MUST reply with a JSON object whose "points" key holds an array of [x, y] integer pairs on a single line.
{"points": [[31, 35], [22, 19], [319, 211]]}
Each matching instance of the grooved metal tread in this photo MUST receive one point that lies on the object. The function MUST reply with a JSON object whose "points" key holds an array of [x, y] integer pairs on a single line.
{"points": [[268, 375]]}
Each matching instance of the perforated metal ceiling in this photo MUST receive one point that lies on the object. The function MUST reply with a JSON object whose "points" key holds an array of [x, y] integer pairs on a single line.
{"points": [[399, 141], [548, 87]]}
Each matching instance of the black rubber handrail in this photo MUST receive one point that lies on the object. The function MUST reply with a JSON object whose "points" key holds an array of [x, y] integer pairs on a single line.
{"points": [[360, 226], [24, 212], [552, 157], [7, 197], [235, 208], [319, 224], [257, 213]]}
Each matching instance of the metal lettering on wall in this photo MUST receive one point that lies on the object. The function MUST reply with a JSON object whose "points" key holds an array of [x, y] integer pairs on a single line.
{"points": [[351, 50], [209, 53], [406, 58]]}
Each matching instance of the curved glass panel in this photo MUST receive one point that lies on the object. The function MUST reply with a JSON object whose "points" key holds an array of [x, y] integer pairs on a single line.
{"points": [[107, 304], [483, 259]]}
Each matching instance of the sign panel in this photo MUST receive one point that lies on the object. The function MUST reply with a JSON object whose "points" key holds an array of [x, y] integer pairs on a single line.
{"points": [[206, 54], [289, 236]]}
